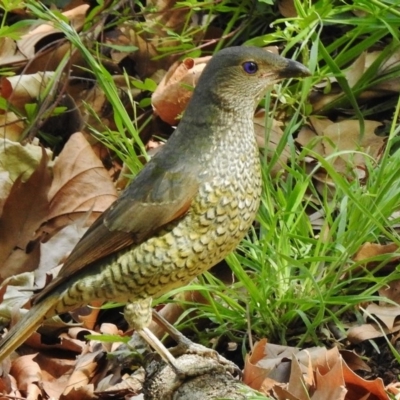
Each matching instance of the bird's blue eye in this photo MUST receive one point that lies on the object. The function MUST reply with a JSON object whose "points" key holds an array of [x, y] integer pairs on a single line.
{"points": [[250, 67]]}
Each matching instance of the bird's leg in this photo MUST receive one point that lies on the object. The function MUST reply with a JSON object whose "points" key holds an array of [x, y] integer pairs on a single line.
{"points": [[138, 315], [185, 345]]}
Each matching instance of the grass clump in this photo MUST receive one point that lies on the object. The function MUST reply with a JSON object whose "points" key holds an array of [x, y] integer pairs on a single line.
{"points": [[295, 279]]}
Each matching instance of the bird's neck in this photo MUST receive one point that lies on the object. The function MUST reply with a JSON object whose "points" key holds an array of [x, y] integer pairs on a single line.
{"points": [[217, 102], [214, 116], [219, 132], [214, 128]]}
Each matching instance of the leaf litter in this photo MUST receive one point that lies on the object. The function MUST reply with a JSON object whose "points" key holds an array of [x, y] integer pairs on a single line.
{"points": [[315, 373]]}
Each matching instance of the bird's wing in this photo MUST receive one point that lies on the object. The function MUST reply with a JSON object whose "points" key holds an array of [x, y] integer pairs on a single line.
{"points": [[156, 197]]}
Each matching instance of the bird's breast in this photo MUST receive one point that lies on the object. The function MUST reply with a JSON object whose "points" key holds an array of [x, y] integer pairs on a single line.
{"points": [[218, 218]]}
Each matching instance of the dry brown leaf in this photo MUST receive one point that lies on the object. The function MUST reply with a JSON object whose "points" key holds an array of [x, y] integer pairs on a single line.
{"points": [[370, 250], [358, 334], [6, 384], [11, 126], [56, 250], [334, 370], [81, 185], [66, 343], [89, 320], [167, 17], [386, 86], [24, 212], [26, 371], [301, 379], [343, 145], [172, 94], [13, 385], [252, 374], [385, 312], [394, 388], [356, 70], [84, 371], [109, 329], [82, 393], [63, 378], [315, 373], [268, 385], [79, 333], [15, 293], [307, 137], [359, 387], [21, 260], [354, 73], [9, 54], [391, 291], [319, 124], [287, 8], [346, 136], [370, 256], [330, 385], [26, 88], [354, 361], [283, 394], [267, 361], [27, 45], [17, 161], [21, 90], [145, 57], [55, 373]]}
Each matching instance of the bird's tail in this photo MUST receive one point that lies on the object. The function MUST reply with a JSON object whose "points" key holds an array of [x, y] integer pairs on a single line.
{"points": [[26, 326]]}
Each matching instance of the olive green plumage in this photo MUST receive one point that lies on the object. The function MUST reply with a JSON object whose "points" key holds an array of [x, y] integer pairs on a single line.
{"points": [[185, 211]]}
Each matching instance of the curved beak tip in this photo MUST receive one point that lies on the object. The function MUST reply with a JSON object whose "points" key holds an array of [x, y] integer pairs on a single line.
{"points": [[294, 69]]}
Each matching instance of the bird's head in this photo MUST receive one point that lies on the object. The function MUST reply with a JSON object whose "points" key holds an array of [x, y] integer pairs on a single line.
{"points": [[237, 77]]}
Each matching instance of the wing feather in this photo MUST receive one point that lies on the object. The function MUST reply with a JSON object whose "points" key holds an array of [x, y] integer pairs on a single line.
{"points": [[157, 196]]}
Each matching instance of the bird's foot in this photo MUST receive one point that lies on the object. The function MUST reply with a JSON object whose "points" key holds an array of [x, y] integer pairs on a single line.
{"points": [[184, 369], [209, 361], [186, 346]]}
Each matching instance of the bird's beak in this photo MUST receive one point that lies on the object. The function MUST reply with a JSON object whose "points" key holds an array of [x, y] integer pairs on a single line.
{"points": [[293, 69]]}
